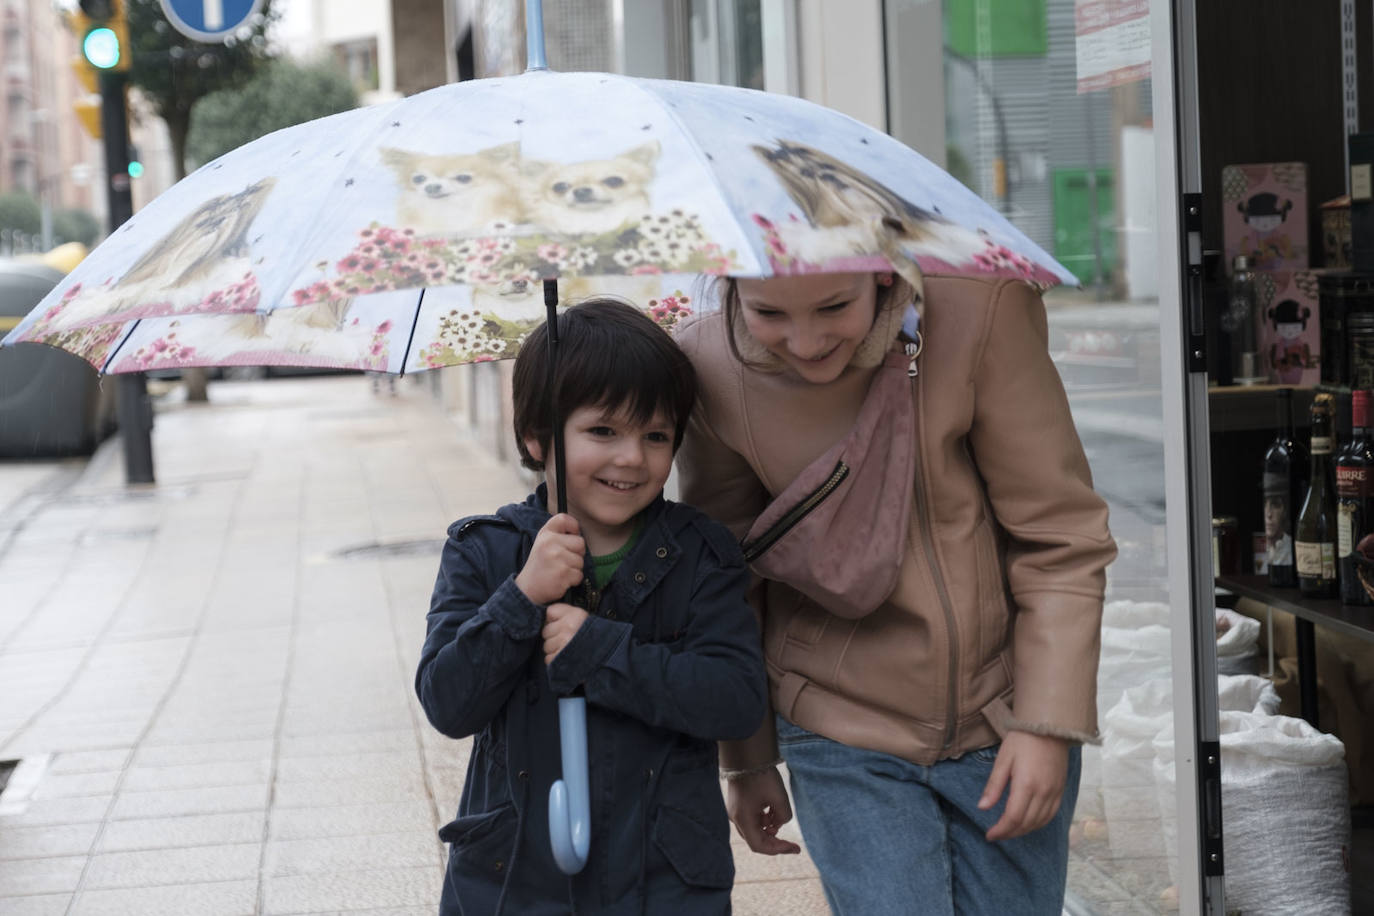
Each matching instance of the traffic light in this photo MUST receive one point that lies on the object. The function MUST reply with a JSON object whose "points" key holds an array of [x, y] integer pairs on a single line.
{"points": [[103, 32], [135, 162]]}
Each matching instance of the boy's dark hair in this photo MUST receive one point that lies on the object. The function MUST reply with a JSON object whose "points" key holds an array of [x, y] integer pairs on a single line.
{"points": [[610, 354]]}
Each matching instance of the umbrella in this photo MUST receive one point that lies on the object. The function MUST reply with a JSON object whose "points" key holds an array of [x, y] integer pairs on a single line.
{"points": [[436, 230]]}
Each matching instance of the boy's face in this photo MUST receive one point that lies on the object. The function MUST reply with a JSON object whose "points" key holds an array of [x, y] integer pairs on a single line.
{"points": [[614, 469]]}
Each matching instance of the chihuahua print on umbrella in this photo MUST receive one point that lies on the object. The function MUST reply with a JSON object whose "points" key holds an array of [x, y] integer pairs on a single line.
{"points": [[456, 194], [591, 197]]}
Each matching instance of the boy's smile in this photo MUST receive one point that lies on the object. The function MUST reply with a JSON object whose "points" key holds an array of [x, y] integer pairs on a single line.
{"points": [[615, 468]]}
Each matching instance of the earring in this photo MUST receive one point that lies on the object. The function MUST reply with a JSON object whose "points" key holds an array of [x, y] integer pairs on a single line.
{"points": [[884, 279]]}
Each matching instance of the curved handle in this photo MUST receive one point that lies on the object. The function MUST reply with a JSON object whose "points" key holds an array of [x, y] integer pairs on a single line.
{"points": [[570, 808]]}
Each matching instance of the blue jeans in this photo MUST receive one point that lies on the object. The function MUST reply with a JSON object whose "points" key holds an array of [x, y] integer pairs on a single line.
{"points": [[892, 837]]}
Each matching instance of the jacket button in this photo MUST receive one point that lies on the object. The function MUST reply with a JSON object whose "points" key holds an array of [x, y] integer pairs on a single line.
{"points": [[610, 615], [524, 775], [640, 577], [661, 552], [499, 865]]}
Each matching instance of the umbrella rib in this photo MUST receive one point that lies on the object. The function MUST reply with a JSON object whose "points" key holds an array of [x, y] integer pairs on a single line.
{"points": [[405, 360], [109, 360]]}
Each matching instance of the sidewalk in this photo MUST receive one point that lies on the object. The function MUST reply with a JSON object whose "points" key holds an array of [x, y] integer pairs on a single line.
{"points": [[208, 681]]}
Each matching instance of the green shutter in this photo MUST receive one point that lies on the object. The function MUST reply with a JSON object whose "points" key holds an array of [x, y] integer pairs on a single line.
{"points": [[1015, 28]]}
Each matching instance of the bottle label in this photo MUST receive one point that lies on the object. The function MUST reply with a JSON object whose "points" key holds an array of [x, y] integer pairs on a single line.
{"points": [[1321, 445], [1316, 561], [1352, 481], [1277, 524], [1345, 524]]}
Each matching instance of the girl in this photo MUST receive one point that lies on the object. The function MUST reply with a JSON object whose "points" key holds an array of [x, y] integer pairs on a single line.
{"points": [[931, 562]]}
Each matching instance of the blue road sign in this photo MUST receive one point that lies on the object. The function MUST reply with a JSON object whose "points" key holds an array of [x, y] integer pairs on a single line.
{"points": [[210, 21]]}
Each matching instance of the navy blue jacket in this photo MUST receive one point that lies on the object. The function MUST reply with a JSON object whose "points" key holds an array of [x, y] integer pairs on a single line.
{"points": [[670, 662]]}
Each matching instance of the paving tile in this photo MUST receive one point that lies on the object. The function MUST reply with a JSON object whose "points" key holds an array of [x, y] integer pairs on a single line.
{"points": [[183, 832], [47, 841], [160, 755], [227, 898], [388, 850], [795, 897], [198, 775], [90, 761], [393, 787], [393, 887], [195, 865], [176, 802], [352, 820], [298, 769], [41, 876], [70, 785], [37, 905], [350, 742], [44, 811]]}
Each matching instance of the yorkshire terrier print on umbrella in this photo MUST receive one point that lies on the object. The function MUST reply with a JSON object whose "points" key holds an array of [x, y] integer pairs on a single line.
{"points": [[475, 192]]}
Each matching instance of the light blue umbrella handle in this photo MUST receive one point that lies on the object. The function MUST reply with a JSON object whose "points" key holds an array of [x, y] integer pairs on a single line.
{"points": [[570, 807]]}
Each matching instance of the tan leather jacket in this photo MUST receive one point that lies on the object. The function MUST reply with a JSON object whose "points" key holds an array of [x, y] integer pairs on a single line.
{"points": [[994, 622]]}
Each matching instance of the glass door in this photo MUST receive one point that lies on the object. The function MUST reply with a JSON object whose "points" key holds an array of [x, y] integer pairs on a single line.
{"points": [[1061, 113]]}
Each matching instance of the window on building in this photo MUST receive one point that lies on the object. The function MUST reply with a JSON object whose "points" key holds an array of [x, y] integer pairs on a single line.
{"points": [[358, 58]]}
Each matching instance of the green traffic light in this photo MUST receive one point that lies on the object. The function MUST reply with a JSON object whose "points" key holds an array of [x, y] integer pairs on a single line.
{"points": [[101, 48], [135, 169]]}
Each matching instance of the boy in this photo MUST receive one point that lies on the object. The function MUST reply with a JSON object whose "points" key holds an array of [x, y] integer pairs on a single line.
{"points": [[664, 646]]}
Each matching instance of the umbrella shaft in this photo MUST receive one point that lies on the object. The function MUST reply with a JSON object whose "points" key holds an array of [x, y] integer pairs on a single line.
{"points": [[534, 36], [551, 312]]}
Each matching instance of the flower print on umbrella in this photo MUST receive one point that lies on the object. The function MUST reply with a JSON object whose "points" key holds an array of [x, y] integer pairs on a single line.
{"points": [[465, 335], [669, 310], [386, 258], [165, 352]]}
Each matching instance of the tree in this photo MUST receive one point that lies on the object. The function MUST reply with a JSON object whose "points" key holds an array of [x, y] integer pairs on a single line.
{"points": [[19, 212], [284, 92], [174, 72], [75, 225]]}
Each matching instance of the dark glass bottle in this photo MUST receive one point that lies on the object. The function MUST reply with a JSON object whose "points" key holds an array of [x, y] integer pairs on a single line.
{"points": [[1314, 546], [1355, 504], [1285, 484]]}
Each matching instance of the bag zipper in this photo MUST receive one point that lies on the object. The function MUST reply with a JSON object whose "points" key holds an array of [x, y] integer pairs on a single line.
{"points": [[759, 546]]}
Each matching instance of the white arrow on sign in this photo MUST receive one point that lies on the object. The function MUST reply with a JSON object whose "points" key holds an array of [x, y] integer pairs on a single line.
{"points": [[214, 15]]}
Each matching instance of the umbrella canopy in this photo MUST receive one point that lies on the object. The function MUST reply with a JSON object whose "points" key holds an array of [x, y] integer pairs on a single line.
{"points": [[412, 235]]}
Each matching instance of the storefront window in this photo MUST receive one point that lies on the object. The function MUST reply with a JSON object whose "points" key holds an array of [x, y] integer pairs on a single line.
{"points": [[727, 42], [1057, 133]]}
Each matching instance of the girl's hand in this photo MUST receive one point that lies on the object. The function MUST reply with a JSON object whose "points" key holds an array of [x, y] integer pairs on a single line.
{"points": [[555, 562], [758, 806], [561, 623], [1036, 766]]}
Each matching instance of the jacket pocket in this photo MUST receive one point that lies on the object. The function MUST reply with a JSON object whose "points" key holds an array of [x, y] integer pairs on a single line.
{"points": [[488, 830], [993, 616], [700, 858]]}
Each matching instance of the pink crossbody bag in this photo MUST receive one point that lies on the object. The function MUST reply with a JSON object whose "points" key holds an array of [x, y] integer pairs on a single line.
{"points": [[838, 532]]}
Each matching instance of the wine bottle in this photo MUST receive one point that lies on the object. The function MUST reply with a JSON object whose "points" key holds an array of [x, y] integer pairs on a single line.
{"points": [[1314, 546], [1284, 483], [1355, 504]]}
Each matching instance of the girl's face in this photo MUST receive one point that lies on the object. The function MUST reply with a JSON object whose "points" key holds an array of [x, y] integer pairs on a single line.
{"points": [[812, 323]]}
